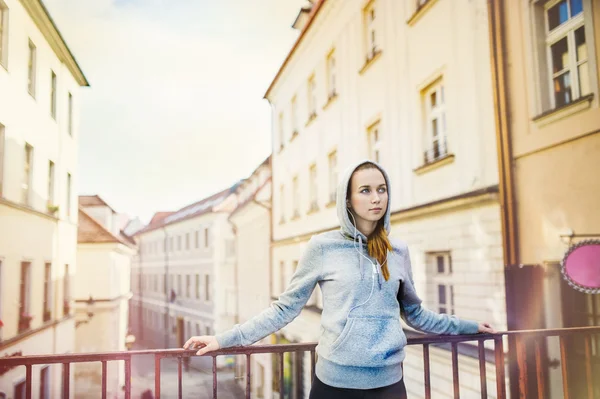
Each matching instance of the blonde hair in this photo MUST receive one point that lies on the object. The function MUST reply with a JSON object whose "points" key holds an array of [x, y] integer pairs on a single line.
{"points": [[378, 243]]}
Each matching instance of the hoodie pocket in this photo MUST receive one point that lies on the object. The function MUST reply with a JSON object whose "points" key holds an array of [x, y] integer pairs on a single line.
{"points": [[369, 342]]}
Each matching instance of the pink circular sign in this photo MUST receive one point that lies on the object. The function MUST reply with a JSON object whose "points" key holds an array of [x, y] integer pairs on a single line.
{"points": [[581, 266]]}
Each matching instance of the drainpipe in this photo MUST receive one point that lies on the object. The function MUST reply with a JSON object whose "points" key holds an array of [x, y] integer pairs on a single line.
{"points": [[508, 213]]}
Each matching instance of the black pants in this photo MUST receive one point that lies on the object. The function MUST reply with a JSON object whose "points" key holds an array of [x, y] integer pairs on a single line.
{"points": [[320, 390]]}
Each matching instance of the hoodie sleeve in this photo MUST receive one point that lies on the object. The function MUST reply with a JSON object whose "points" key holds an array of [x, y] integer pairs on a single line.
{"points": [[286, 308], [420, 318]]}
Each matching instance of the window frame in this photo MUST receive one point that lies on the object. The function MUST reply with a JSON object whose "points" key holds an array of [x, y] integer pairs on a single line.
{"points": [[444, 279], [333, 175], [32, 69], [313, 188], [434, 142], [330, 62], [53, 94], [374, 141], [4, 13]]}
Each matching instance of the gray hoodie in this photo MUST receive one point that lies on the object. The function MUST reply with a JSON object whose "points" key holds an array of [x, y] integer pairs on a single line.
{"points": [[362, 342]]}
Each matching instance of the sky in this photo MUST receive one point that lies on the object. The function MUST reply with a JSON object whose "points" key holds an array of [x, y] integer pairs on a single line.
{"points": [[175, 109]]}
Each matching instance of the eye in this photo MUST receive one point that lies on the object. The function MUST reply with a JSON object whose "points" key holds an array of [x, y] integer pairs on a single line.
{"points": [[365, 190], [382, 190]]}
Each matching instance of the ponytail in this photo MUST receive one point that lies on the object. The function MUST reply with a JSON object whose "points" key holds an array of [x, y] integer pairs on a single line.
{"points": [[378, 246]]}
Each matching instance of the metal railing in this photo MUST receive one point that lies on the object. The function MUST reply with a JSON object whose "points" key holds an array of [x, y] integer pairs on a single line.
{"points": [[521, 337]]}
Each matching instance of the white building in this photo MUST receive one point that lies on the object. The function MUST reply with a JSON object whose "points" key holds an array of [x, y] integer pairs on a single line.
{"points": [[183, 275], [39, 102], [251, 222], [102, 291], [408, 84]]}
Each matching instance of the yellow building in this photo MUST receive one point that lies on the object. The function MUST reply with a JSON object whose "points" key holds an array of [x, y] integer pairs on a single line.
{"points": [[547, 59], [39, 102]]}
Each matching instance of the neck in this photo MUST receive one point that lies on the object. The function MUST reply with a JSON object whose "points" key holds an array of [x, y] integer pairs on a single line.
{"points": [[366, 227]]}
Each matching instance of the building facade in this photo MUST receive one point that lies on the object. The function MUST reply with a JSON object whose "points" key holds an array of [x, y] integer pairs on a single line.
{"points": [[102, 291], [251, 222], [40, 83], [183, 275], [407, 84], [551, 74]]}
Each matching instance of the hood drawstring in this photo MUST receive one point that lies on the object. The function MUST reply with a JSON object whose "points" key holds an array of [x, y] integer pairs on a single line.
{"points": [[360, 259]]}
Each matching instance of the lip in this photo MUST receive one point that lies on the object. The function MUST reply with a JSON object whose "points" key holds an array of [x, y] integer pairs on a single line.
{"points": [[375, 209]]}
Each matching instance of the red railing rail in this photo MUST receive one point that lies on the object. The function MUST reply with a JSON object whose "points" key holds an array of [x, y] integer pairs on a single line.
{"points": [[426, 341]]}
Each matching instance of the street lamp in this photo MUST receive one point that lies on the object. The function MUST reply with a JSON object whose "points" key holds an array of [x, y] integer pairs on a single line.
{"points": [[129, 340]]}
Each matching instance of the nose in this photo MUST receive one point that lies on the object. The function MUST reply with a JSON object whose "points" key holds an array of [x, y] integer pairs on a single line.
{"points": [[375, 199]]}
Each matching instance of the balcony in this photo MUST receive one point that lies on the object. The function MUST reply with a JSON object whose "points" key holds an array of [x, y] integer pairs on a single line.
{"points": [[577, 380]]}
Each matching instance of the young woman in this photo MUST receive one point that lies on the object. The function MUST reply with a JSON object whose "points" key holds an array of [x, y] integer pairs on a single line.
{"points": [[367, 284]]}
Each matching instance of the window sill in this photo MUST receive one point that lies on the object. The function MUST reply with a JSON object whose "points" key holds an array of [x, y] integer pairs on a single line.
{"points": [[555, 114], [445, 160], [311, 118], [282, 221], [370, 61], [330, 204], [420, 11], [313, 210], [296, 217], [330, 100], [280, 149]]}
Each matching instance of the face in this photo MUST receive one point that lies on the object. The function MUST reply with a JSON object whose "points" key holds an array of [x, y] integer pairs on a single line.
{"points": [[368, 196]]}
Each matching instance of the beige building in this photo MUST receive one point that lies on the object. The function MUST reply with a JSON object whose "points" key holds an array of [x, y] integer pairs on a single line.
{"points": [[408, 84], [183, 275], [251, 221], [102, 291], [39, 102], [550, 130]]}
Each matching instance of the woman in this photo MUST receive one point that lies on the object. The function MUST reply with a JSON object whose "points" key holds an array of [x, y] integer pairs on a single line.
{"points": [[367, 283]]}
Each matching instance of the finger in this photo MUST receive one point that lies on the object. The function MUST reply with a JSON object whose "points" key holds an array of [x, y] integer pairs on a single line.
{"points": [[203, 350], [188, 343]]}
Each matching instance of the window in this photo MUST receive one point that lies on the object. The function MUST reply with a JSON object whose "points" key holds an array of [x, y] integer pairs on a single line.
{"points": [[207, 288], [51, 183], [281, 131], [45, 383], [47, 287], [198, 329], [331, 89], [197, 286], [197, 239], [171, 244], [435, 123], [1, 156], [179, 285], [295, 197], [53, 94], [206, 238], [313, 189], [187, 241], [66, 292], [24, 295], [567, 51], [31, 69], [3, 34], [333, 177], [281, 204], [69, 193], [312, 98], [294, 118], [440, 266], [207, 330], [374, 143], [188, 286], [70, 116], [179, 243], [370, 31], [27, 175]]}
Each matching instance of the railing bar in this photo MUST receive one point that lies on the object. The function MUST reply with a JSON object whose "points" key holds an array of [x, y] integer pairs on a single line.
{"points": [[180, 376], [312, 364], [281, 375], [455, 370], [248, 376], [128, 378], [104, 372], [588, 366], [563, 366], [157, 358], [28, 381], [522, 366], [426, 371], [541, 383], [66, 379], [482, 371], [214, 371], [499, 361]]}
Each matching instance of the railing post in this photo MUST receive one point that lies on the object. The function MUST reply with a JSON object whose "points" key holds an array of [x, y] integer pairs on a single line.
{"points": [[28, 381], [482, 371], [563, 364], [248, 376], [426, 371], [499, 360], [214, 371], [455, 370], [157, 376], [522, 366]]}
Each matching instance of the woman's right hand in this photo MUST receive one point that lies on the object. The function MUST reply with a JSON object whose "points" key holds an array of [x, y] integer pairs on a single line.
{"points": [[206, 343]]}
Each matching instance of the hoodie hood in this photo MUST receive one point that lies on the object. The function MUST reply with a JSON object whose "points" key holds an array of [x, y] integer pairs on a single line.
{"points": [[347, 227]]}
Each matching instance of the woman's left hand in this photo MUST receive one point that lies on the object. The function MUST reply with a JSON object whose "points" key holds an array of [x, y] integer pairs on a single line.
{"points": [[486, 328]]}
